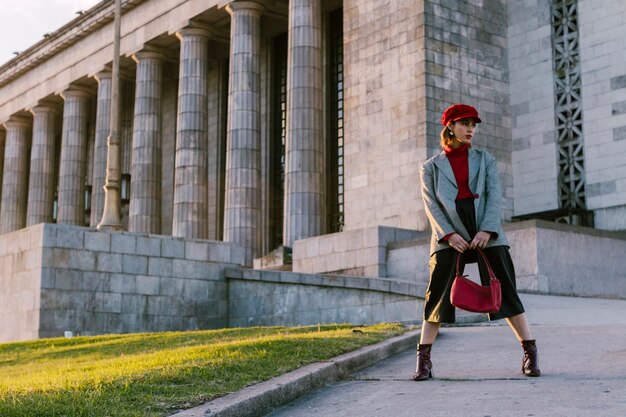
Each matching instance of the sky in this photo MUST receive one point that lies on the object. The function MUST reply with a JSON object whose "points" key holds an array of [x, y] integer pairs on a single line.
{"points": [[24, 22]]}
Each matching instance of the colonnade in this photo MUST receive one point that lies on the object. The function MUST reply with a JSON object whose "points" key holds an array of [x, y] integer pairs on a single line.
{"points": [[27, 193]]}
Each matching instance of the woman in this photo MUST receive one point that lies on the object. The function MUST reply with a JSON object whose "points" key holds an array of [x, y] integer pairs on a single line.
{"points": [[461, 193]]}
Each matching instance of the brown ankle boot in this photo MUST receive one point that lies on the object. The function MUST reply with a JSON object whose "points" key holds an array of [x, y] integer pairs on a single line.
{"points": [[530, 363], [424, 368]]}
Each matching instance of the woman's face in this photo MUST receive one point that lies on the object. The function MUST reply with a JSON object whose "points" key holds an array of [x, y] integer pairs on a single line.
{"points": [[464, 130]]}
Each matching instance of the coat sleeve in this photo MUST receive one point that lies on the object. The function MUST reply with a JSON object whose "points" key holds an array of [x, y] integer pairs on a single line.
{"points": [[493, 196], [439, 222]]}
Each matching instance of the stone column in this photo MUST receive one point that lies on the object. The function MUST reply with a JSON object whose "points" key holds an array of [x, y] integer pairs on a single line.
{"points": [[242, 210], [15, 178], [103, 121], [3, 136], [42, 156], [304, 135], [73, 157], [190, 217], [145, 175]]}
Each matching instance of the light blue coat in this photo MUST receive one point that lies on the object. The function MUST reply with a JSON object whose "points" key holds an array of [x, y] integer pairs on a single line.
{"points": [[439, 191]]}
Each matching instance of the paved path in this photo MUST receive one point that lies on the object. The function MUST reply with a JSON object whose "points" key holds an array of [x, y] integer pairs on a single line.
{"points": [[582, 348]]}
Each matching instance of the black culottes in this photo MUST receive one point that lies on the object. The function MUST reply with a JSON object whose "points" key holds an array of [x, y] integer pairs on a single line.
{"points": [[437, 307]]}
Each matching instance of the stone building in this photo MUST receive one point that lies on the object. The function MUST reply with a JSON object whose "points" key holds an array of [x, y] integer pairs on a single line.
{"points": [[249, 127]]}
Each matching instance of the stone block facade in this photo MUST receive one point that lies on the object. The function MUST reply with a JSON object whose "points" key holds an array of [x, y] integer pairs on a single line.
{"points": [[62, 278], [20, 283], [532, 80], [567, 262], [384, 58], [604, 106], [533, 127]]}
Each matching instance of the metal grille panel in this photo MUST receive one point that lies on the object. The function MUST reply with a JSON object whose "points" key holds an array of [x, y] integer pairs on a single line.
{"points": [[568, 103]]}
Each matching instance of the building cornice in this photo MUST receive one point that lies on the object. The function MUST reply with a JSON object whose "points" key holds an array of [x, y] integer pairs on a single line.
{"points": [[83, 25]]}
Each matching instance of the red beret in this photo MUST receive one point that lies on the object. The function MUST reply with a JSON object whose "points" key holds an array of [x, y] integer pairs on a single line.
{"points": [[457, 112]]}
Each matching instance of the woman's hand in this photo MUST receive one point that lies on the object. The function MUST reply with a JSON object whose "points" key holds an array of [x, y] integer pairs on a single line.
{"points": [[458, 243], [480, 240]]}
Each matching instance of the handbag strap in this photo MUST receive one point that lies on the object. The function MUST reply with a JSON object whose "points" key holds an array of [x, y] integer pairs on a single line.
{"points": [[482, 254]]}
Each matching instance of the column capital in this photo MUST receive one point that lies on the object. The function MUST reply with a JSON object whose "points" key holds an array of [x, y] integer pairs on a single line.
{"points": [[105, 74], [236, 5], [193, 29], [76, 91], [45, 106], [18, 121], [150, 52]]}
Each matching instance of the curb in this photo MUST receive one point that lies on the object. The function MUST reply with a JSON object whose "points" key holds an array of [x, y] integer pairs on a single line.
{"points": [[260, 399]]}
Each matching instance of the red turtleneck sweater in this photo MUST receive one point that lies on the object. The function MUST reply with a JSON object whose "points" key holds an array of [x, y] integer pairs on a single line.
{"points": [[460, 166]]}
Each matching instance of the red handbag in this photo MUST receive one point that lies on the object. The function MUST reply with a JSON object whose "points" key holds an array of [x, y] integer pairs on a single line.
{"points": [[470, 296]]}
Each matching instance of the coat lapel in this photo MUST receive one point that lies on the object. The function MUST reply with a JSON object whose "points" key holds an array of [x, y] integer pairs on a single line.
{"points": [[474, 164], [444, 166]]}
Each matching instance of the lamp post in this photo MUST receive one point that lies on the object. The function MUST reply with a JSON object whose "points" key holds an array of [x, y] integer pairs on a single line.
{"points": [[111, 215]]}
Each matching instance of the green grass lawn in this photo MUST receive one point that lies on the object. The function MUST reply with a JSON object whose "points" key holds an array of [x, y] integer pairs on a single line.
{"points": [[156, 374]]}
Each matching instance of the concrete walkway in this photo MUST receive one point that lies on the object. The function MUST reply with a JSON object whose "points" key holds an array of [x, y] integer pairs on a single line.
{"points": [[582, 353]]}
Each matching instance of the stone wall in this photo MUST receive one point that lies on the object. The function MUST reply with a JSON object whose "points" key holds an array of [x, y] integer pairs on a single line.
{"points": [[20, 283], [64, 278], [57, 278], [580, 264], [532, 107], [272, 298], [360, 252], [384, 113], [603, 67]]}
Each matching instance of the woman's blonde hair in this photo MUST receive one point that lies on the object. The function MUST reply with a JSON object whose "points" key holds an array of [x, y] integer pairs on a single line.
{"points": [[447, 137]]}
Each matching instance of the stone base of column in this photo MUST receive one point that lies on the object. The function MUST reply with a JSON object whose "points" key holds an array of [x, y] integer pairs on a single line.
{"points": [[278, 260]]}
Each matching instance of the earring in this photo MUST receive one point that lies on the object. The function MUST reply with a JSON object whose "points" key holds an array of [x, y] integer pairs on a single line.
{"points": [[451, 134]]}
